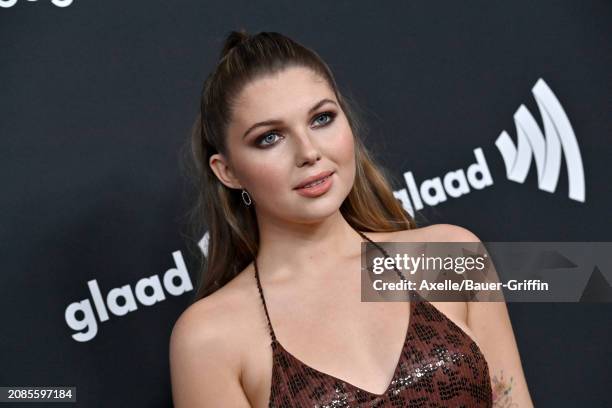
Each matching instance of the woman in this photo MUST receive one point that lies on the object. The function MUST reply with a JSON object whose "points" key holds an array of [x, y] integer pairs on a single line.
{"points": [[278, 319]]}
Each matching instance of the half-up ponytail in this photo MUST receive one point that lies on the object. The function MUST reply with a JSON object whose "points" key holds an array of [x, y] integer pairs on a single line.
{"points": [[233, 39]]}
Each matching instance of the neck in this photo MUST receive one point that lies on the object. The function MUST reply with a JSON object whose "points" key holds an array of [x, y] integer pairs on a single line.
{"points": [[289, 249]]}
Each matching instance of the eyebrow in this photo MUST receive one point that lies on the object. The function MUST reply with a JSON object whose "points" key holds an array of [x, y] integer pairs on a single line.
{"points": [[278, 121]]}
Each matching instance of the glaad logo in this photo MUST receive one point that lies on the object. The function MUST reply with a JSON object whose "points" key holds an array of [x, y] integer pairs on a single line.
{"points": [[58, 3], [87, 326], [546, 151], [455, 183]]}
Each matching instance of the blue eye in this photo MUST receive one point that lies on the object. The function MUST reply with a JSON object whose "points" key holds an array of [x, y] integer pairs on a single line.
{"points": [[323, 115], [264, 137]]}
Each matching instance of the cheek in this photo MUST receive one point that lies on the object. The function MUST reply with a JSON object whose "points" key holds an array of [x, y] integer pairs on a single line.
{"points": [[345, 157], [345, 147], [266, 179]]}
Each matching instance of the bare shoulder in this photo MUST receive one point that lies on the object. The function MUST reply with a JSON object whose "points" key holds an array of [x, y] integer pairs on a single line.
{"points": [[205, 351], [207, 318], [218, 315], [202, 321], [435, 233]]}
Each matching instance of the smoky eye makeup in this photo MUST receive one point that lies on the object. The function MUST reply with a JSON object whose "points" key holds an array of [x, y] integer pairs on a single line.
{"points": [[258, 142]]}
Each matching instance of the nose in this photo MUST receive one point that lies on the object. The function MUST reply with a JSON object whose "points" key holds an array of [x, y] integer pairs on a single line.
{"points": [[306, 151]]}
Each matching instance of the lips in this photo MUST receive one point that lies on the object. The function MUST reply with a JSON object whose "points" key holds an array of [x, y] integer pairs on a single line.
{"points": [[314, 178]]}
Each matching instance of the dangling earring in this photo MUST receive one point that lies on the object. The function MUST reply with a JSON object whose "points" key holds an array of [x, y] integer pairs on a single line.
{"points": [[244, 200]]}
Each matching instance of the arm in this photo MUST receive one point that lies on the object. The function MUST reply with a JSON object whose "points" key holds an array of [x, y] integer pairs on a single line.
{"points": [[204, 369], [491, 326], [490, 323]]}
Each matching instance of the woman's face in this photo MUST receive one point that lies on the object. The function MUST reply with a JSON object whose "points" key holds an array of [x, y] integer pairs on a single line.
{"points": [[310, 134]]}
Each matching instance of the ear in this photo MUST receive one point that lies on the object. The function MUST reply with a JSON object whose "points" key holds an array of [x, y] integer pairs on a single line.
{"points": [[223, 171]]}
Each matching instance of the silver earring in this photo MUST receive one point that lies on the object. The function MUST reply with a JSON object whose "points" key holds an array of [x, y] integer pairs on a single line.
{"points": [[244, 200]]}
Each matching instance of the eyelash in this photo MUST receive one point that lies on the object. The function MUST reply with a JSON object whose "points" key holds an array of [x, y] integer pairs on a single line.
{"points": [[332, 116]]}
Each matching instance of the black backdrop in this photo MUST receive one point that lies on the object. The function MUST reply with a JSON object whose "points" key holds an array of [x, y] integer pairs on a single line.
{"points": [[97, 98]]}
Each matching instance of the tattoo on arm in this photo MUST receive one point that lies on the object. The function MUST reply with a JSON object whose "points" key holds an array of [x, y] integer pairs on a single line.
{"points": [[502, 389]]}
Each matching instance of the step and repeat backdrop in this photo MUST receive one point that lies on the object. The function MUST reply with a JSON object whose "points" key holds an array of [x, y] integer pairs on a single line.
{"points": [[492, 117]]}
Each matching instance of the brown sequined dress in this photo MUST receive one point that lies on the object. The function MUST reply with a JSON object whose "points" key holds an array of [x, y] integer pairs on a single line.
{"points": [[439, 366]]}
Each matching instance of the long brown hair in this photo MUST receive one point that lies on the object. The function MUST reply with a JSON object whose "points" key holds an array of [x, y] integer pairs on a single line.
{"points": [[232, 227]]}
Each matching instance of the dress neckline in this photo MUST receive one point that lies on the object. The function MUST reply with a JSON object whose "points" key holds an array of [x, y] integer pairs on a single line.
{"points": [[396, 370]]}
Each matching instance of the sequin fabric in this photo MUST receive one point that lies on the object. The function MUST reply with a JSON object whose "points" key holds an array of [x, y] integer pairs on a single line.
{"points": [[439, 366]]}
